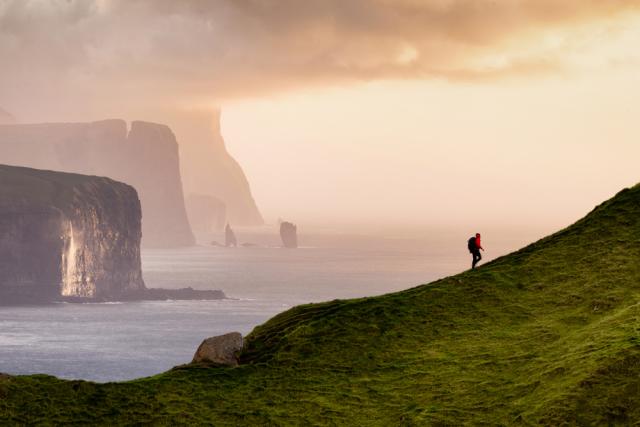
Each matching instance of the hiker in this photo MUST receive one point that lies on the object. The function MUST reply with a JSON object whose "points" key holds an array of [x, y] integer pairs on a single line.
{"points": [[474, 246]]}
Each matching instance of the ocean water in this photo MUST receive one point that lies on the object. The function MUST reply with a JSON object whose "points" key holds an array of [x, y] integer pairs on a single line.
{"points": [[120, 341]]}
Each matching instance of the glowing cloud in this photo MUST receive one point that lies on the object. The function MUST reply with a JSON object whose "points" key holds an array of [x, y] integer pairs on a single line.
{"points": [[76, 55]]}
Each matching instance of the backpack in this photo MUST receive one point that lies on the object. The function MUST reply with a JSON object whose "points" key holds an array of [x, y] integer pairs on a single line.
{"points": [[471, 244]]}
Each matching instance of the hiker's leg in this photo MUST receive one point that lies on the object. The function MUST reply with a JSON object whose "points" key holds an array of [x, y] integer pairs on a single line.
{"points": [[476, 258]]}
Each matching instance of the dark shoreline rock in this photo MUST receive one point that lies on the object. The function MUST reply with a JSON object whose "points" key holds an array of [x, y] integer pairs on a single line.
{"points": [[153, 294], [158, 294]]}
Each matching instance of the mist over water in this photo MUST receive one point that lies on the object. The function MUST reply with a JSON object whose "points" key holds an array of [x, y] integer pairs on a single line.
{"points": [[119, 341]]}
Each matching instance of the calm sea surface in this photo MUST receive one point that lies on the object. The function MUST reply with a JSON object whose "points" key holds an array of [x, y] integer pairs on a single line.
{"points": [[119, 341]]}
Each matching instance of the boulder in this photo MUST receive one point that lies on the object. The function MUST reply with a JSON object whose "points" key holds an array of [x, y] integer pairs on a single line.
{"points": [[221, 350]]}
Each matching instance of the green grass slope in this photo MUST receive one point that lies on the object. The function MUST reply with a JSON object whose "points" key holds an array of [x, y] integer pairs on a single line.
{"points": [[549, 334]]}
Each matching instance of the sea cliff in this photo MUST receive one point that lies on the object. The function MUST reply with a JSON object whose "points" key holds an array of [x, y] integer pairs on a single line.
{"points": [[67, 236], [211, 170], [75, 238], [145, 157]]}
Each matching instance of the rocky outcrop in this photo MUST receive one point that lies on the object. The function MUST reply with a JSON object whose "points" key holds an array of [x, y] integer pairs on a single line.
{"points": [[6, 118], [161, 294], [182, 294], [146, 157], [75, 238], [67, 236], [210, 169], [220, 350], [207, 214], [289, 234]]}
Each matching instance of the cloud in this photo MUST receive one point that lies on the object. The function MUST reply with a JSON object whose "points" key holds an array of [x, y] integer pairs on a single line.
{"points": [[64, 55]]}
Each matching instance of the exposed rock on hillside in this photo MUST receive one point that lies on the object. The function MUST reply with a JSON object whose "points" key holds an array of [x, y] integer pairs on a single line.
{"points": [[67, 235], [146, 158], [221, 350]]}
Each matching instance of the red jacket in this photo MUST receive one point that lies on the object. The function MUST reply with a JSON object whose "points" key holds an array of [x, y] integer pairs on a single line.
{"points": [[478, 245]]}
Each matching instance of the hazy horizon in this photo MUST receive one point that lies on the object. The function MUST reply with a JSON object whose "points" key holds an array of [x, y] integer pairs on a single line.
{"points": [[363, 114]]}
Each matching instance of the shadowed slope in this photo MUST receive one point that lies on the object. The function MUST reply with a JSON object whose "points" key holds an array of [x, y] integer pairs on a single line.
{"points": [[550, 333]]}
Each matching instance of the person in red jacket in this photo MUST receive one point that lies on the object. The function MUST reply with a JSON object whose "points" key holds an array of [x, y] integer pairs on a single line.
{"points": [[474, 247]]}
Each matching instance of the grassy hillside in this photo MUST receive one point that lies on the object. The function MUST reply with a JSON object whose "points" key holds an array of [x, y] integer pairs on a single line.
{"points": [[549, 334]]}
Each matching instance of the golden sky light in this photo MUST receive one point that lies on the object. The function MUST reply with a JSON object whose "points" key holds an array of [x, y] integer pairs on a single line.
{"points": [[352, 109]]}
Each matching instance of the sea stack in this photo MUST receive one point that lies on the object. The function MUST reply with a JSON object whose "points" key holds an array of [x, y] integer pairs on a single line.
{"points": [[146, 157], [229, 237], [67, 236], [289, 234]]}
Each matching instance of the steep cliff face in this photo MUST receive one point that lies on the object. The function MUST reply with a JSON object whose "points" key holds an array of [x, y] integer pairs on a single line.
{"points": [[210, 169], [67, 236], [157, 174], [146, 158]]}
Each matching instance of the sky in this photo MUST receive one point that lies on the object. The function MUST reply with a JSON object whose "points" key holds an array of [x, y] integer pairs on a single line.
{"points": [[475, 113]]}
